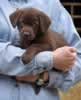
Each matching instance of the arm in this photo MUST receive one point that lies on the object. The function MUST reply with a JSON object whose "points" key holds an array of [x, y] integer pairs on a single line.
{"points": [[65, 80], [11, 63]]}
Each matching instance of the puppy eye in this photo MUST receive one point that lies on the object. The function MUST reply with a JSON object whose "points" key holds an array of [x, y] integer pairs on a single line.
{"points": [[21, 25], [36, 22]]}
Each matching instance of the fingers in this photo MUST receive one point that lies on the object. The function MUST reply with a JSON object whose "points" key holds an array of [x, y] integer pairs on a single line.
{"points": [[65, 58], [72, 52], [72, 56], [70, 65], [72, 49]]}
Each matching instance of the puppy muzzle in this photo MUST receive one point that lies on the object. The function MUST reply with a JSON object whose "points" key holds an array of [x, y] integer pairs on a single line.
{"points": [[28, 35]]}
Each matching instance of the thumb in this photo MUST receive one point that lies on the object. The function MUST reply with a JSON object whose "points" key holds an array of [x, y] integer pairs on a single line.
{"points": [[72, 49]]}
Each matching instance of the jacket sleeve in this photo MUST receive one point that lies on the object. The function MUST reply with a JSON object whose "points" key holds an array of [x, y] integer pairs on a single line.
{"points": [[61, 80], [11, 63]]}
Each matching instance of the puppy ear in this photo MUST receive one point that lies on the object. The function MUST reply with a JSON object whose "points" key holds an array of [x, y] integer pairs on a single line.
{"points": [[14, 17], [44, 22]]}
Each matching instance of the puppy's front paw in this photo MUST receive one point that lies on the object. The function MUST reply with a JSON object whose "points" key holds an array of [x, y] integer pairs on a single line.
{"points": [[26, 58], [30, 54]]}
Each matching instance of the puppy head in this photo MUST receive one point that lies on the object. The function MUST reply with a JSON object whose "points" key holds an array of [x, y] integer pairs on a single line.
{"points": [[30, 22]]}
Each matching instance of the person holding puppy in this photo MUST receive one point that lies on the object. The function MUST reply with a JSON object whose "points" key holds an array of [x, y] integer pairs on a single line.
{"points": [[66, 59]]}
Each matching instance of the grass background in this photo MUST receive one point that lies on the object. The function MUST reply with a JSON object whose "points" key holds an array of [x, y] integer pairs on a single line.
{"points": [[73, 94]]}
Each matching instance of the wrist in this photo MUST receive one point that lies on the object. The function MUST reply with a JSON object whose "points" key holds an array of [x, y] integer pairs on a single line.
{"points": [[55, 62], [45, 60]]}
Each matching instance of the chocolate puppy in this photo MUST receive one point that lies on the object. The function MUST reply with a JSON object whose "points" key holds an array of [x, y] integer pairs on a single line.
{"points": [[34, 31]]}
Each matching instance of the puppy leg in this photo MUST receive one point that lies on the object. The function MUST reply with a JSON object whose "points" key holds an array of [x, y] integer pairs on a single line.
{"points": [[33, 50], [27, 57]]}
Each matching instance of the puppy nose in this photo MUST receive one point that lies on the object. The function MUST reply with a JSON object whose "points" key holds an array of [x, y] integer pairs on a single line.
{"points": [[28, 35]]}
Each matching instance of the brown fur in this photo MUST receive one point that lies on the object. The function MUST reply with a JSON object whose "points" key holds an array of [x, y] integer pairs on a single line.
{"points": [[35, 35], [34, 31]]}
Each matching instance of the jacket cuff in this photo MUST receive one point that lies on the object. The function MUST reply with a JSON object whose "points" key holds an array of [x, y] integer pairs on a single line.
{"points": [[44, 60]]}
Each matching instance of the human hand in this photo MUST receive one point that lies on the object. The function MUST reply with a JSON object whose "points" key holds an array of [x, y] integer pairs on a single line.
{"points": [[64, 58]]}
